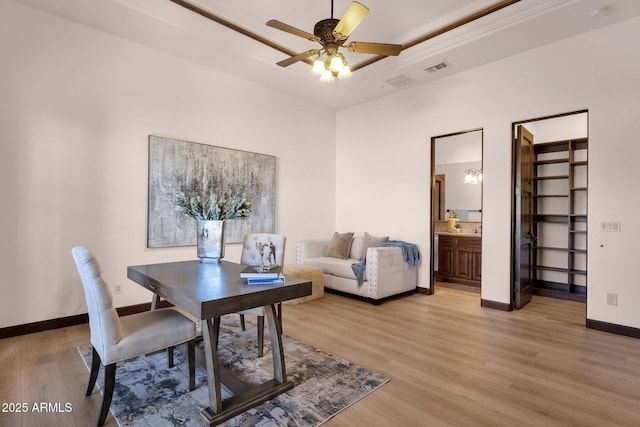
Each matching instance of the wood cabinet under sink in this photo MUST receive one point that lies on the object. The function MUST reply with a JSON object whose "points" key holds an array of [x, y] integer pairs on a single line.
{"points": [[460, 259]]}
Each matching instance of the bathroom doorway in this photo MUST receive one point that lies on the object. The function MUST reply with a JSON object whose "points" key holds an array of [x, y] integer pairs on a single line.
{"points": [[456, 209]]}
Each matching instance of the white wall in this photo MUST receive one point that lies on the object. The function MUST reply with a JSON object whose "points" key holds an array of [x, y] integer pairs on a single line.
{"points": [[76, 109], [383, 155]]}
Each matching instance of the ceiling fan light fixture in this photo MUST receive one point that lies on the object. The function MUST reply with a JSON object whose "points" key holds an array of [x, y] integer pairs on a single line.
{"points": [[345, 72], [337, 63], [318, 66], [327, 76]]}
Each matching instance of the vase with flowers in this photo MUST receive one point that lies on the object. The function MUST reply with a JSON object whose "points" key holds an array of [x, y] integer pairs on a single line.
{"points": [[211, 212]]}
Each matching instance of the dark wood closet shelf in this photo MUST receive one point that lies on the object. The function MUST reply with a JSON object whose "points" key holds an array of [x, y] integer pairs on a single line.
{"points": [[560, 282]]}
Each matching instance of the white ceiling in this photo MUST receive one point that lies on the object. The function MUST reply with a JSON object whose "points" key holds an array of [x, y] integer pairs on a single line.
{"points": [[166, 26]]}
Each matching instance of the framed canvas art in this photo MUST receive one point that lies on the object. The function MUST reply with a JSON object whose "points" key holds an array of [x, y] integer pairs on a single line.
{"points": [[180, 166]]}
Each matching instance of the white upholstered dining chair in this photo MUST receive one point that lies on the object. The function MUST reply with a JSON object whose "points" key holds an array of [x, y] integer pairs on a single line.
{"points": [[116, 339], [251, 256]]}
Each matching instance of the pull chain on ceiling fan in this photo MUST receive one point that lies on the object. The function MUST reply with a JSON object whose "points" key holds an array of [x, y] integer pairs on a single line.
{"points": [[332, 34]]}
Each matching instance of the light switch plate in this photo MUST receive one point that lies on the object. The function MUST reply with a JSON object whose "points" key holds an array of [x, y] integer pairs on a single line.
{"points": [[610, 226]]}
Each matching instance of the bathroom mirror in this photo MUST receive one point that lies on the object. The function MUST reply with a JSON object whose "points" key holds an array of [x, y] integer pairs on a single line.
{"points": [[456, 191]]}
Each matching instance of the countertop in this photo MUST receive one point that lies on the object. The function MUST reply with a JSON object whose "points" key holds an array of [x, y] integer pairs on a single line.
{"points": [[446, 233]]}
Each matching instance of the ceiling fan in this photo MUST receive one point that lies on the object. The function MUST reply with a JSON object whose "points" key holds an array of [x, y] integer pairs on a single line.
{"points": [[332, 34]]}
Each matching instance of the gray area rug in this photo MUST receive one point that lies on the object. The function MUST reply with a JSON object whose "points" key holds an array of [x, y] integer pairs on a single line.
{"points": [[149, 394]]}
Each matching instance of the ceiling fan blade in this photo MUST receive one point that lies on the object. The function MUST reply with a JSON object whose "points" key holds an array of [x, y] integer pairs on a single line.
{"points": [[385, 49], [298, 57], [291, 30], [354, 15]]}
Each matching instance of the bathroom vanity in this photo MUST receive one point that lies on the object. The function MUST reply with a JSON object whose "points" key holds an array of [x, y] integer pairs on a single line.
{"points": [[460, 258]]}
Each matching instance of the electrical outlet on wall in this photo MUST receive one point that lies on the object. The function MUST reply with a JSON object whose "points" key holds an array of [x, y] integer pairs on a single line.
{"points": [[612, 299]]}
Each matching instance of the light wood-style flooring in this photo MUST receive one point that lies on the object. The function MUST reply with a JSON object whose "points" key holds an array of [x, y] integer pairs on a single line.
{"points": [[450, 361]]}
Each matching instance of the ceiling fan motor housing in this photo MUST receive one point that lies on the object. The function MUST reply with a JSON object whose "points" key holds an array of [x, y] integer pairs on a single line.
{"points": [[324, 30]]}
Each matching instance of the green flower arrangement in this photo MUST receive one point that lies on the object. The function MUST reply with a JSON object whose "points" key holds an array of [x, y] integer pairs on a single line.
{"points": [[213, 207]]}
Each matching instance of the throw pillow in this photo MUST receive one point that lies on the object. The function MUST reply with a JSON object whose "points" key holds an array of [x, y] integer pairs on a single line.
{"points": [[340, 245], [370, 242]]}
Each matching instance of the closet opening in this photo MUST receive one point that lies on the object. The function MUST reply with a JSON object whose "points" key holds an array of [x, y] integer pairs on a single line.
{"points": [[549, 209]]}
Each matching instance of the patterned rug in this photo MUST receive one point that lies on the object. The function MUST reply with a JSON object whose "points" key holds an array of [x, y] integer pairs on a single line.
{"points": [[149, 394]]}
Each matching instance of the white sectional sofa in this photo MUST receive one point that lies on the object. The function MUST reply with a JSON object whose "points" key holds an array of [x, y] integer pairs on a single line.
{"points": [[387, 272]]}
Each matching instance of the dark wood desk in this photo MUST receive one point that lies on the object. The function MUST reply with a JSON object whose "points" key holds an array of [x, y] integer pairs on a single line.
{"points": [[208, 291]]}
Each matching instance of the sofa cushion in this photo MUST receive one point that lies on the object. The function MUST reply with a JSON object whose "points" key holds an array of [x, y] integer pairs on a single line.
{"points": [[356, 247], [334, 266], [342, 268], [370, 242], [340, 245]]}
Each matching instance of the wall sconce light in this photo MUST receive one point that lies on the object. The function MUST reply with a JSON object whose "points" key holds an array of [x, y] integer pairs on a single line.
{"points": [[472, 176]]}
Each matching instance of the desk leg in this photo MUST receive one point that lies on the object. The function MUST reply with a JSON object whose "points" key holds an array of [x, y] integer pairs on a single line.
{"points": [[215, 413], [155, 302], [210, 331], [275, 332]]}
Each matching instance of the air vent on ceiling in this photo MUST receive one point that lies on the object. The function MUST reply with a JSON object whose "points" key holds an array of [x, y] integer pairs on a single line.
{"points": [[442, 65], [400, 81]]}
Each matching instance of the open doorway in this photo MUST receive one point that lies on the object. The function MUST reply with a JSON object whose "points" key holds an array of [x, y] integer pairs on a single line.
{"points": [[456, 207], [549, 209]]}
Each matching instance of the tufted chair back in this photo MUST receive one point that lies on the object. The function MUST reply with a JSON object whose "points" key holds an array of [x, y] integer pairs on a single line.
{"points": [[106, 330], [114, 339], [251, 254]]}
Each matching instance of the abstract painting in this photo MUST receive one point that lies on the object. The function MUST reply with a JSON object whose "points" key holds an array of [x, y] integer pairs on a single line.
{"points": [[180, 166]]}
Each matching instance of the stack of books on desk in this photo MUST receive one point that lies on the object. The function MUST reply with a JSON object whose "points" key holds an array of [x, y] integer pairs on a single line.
{"points": [[255, 276]]}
